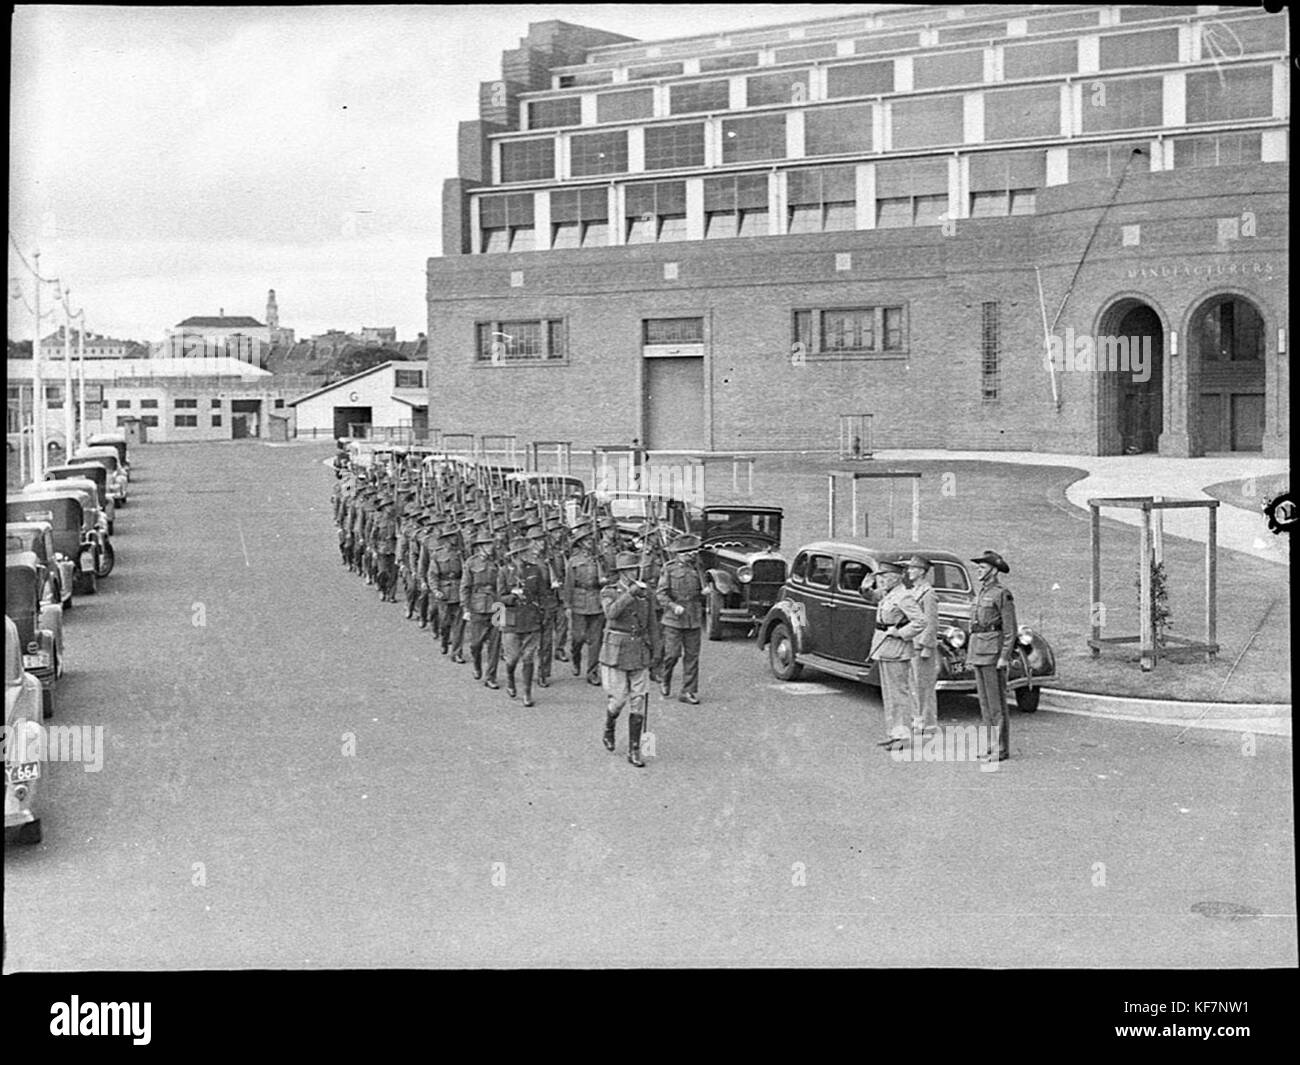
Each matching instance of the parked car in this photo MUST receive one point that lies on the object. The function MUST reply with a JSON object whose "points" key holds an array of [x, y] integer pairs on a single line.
{"points": [[823, 621], [631, 510], [38, 538], [36, 500], [40, 623], [116, 440], [739, 551], [24, 738], [97, 475], [118, 478]]}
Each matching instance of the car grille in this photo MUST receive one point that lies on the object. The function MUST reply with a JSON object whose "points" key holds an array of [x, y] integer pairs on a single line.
{"points": [[769, 571]]}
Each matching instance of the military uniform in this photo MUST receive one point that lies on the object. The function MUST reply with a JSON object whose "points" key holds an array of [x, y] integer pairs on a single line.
{"points": [[519, 589], [552, 605], [582, 582], [478, 589], [992, 640], [898, 620], [681, 594], [925, 664], [443, 572], [625, 653], [385, 531]]}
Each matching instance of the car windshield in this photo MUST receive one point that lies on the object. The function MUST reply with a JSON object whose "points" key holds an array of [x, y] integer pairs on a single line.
{"points": [[62, 513], [717, 523]]}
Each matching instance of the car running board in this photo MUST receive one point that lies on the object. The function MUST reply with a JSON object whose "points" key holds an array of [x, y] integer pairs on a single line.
{"points": [[847, 670]]}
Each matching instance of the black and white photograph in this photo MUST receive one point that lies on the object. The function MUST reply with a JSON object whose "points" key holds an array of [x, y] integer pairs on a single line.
{"points": [[658, 487]]}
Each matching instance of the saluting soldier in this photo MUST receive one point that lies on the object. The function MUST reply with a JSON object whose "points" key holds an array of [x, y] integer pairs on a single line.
{"points": [[478, 590], [582, 583], [898, 620], [625, 653], [681, 594], [925, 663], [519, 588], [992, 639]]}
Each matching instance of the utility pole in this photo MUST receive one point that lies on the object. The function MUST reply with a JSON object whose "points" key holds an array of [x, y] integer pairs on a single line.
{"points": [[81, 366], [38, 392], [68, 424]]}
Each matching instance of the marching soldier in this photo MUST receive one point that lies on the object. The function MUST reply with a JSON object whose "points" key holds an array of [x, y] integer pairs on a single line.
{"points": [[582, 583], [650, 546], [386, 552], [558, 552], [681, 594], [519, 589], [925, 664], [992, 639], [550, 602], [478, 587], [443, 573], [625, 652], [898, 620]]}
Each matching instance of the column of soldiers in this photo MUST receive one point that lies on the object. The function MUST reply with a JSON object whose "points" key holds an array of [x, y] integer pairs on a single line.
{"points": [[510, 587]]}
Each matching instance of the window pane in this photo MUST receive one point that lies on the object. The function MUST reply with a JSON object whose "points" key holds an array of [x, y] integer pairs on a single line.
{"points": [[674, 330], [699, 96], [840, 216], [838, 130], [1040, 58], [931, 210], [1013, 114], [667, 147], [803, 331], [820, 570], [802, 52], [1107, 161], [595, 234], [754, 223], [997, 171], [805, 219], [495, 240], [719, 224], [849, 330], [528, 160], [521, 239], [948, 68], [1147, 48], [1233, 37], [1130, 103], [641, 230], [546, 114], [1230, 93], [654, 70], [893, 325], [621, 106], [786, 87], [586, 77], [672, 227], [556, 330], [889, 43], [598, 153], [1024, 201], [859, 79], [894, 213], [989, 204], [911, 177], [565, 235], [746, 139], [919, 123], [728, 62]]}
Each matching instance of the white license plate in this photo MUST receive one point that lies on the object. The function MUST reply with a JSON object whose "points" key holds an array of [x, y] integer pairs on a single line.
{"points": [[36, 661], [24, 771], [87, 563]]}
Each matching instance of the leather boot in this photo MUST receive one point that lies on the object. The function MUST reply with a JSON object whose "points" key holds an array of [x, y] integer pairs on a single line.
{"points": [[634, 740], [576, 661], [510, 682], [528, 684], [611, 719]]}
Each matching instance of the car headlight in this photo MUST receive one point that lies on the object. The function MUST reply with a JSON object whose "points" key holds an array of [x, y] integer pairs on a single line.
{"points": [[1025, 637], [745, 574], [955, 637]]}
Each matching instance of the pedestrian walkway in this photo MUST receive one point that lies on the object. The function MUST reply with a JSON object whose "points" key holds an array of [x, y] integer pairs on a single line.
{"points": [[1151, 475]]}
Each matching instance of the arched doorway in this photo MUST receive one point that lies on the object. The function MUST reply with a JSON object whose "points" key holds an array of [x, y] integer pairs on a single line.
{"points": [[1130, 374], [1226, 348]]}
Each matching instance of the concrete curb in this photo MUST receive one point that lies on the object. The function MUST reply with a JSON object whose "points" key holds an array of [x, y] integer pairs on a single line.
{"points": [[1269, 719]]}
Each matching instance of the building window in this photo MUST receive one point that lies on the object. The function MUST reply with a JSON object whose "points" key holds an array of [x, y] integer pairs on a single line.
{"points": [[1147, 48], [786, 87], [1092, 161], [1220, 149], [216, 421], [507, 222], [892, 42], [911, 192], [185, 404], [598, 153], [124, 420], [673, 331], [185, 421], [579, 218], [149, 420], [1230, 93], [851, 331], [215, 404], [838, 130], [1040, 59], [942, 69], [990, 350], [1244, 36], [401, 379], [735, 206], [1020, 114], [802, 53], [927, 121], [859, 79], [654, 70], [710, 63], [1006, 183], [549, 114], [279, 404], [623, 106], [122, 404], [1070, 21], [520, 341], [668, 147], [696, 96], [148, 404], [822, 200], [748, 139], [586, 77], [532, 160], [1124, 103], [655, 212]]}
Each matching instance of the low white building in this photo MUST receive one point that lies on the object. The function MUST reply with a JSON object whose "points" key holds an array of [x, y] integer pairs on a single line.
{"points": [[390, 400]]}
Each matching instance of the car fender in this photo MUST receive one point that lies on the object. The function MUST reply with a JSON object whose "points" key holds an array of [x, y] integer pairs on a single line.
{"points": [[51, 621], [724, 581], [1038, 658], [794, 615]]}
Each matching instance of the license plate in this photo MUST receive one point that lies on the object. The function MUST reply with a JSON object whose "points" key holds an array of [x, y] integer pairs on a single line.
{"points": [[24, 771], [36, 661], [87, 563]]}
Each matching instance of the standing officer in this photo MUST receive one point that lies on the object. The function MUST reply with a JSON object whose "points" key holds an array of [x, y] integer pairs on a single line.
{"points": [[681, 594], [478, 589], [582, 581], [898, 620], [650, 545], [625, 652], [925, 664], [443, 575], [992, 639], [519, 589]]}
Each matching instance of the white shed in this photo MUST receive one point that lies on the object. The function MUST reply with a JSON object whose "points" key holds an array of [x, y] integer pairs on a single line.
{"points": [[388, 400]]}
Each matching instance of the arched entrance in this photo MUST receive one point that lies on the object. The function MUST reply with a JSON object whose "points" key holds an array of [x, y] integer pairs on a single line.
{"points": [[1130, 355], [1226, 350]]}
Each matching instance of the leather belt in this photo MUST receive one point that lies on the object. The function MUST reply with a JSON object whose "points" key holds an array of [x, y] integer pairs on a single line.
{"points": [[986, 628], [883, 628]]}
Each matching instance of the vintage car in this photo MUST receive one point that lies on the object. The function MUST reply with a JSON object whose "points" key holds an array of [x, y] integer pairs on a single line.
{"points": [[97, 475], [823, 620], [38, 538], [117, 441], [89, 518], [738, 551], [106, 456], [545, 487], [23, 742], [631, 510], [40, 623]]}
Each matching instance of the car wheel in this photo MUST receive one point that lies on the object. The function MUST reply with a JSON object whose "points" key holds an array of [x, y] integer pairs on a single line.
{"points": [[30, 832], [713, 616], [106, 559], [780, 653], [1027, 699]]}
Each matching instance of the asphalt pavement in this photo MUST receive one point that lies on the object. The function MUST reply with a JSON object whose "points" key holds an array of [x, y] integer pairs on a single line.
{"points": [[295, 778]]}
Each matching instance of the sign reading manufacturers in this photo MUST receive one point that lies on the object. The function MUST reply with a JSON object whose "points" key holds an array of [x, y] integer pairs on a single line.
{"points": [[1192, 268]]}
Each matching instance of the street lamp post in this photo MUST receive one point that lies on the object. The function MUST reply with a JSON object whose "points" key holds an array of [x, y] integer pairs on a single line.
{"points": [[38, 391], [81, 373], [67, 377]]}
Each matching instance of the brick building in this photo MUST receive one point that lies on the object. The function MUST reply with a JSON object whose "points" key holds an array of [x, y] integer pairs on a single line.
{"points": [[726, 242]]}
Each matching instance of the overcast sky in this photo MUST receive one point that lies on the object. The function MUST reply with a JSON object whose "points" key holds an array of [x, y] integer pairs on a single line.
{"points": [[169, 162]]}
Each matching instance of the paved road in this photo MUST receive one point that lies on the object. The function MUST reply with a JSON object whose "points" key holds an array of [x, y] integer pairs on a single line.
{"points": [[228, 827]]}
